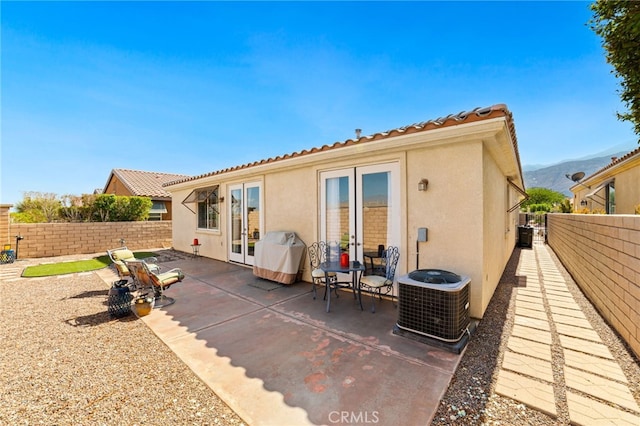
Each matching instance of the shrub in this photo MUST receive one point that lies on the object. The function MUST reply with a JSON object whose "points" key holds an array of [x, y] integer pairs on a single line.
{"points": [[540, 207]]}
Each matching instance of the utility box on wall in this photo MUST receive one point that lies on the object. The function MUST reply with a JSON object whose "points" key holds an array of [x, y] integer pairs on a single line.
{"points": [[422, 234]]}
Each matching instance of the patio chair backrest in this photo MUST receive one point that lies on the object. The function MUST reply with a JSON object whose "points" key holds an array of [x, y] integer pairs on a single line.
{"points": [[317, 254], [139, 272], [390, 261], [118, 257]]}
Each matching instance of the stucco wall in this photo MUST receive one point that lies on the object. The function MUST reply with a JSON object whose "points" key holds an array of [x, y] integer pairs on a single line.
{"points": [[58, 239], [461, 172], [628, 191], [451, 210], [499, 230], [602, 254]]}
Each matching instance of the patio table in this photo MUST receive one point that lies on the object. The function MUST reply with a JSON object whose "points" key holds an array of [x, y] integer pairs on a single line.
{"points": [[355, 269]]}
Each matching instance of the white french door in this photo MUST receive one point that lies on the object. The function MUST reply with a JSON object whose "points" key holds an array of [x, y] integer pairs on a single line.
{"points": [[246, 221], [360, 209]]}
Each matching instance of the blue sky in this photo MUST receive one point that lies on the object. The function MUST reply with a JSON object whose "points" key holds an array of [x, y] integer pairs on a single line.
{"points": [[197, 87]]}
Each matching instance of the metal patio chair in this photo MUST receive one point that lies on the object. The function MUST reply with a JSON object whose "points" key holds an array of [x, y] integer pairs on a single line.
{"points": [[318, 254], [375, 283]]}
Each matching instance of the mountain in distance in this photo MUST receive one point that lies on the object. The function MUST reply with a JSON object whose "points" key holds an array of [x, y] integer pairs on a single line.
{"points": [[554, 177]]}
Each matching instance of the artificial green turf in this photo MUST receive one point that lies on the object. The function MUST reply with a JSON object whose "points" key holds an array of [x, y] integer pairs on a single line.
{"points": [[63, 268]]}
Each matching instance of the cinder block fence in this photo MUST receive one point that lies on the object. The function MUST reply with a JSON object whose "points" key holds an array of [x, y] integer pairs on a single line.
{"points": [[602, 254], [59, 239]]}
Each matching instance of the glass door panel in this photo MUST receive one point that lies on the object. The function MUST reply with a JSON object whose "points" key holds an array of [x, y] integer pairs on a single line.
{"points": [[378, 215], [254, 222], [246, 221], [237, 223], [337, 214], [360, 209]]}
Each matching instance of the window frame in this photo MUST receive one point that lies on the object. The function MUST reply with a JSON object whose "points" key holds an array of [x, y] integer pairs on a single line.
{"points": [[207, 202]]}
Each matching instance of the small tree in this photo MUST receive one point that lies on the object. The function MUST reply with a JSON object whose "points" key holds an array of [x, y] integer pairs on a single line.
{"points": [[103, 207], [128, 209], [534, 208], [565, 206], [543, 196], [120, 208], [37, 207], [71, 208], [618, 23], [45, 207]]}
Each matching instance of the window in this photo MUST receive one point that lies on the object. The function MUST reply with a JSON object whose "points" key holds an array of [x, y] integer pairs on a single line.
{"points": [[610, 192], [208, 208], [157, 210]]}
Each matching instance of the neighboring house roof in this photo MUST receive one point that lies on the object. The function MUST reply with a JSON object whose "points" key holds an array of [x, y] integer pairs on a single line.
{"points": [[144, 184], [602, 173], [477, 114]]}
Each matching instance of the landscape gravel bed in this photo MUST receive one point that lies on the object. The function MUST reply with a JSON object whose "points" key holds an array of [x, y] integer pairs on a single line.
{"points": [[66, 361]]}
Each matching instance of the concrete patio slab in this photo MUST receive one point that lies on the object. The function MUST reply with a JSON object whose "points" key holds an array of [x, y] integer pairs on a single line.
{"points": [[278, 358]]}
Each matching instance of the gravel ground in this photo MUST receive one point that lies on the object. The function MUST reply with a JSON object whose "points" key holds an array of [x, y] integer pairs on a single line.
{"points": [[470, 398], [65, 361]]}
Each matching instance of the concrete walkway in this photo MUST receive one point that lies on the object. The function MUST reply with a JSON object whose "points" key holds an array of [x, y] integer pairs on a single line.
{"points": [[555, 360]]}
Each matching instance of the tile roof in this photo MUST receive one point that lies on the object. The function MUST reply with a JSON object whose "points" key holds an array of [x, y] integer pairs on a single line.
{"points": [[477, 114], [614, 163], [145, 184]]}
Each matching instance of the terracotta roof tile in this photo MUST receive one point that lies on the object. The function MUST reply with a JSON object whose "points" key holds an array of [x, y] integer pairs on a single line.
{"points": [[614, 162], [146, 184], [477, 114]]}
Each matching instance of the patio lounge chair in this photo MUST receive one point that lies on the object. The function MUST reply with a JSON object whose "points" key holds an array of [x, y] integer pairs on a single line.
{"points": [[121, 255], [146, 281]]}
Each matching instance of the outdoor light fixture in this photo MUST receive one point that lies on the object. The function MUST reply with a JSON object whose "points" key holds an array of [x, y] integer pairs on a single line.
{"points": [[422, 185]]}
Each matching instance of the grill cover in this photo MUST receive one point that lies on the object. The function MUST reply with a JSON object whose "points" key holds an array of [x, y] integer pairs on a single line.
{"points": [[278, 256]]}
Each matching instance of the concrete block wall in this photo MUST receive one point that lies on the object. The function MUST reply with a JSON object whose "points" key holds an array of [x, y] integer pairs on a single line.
{"points": [[5, 220], [59, 239], [602, 253]]}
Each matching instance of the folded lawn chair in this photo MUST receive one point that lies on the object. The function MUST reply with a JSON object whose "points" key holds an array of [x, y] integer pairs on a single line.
{"points": [[148, 281], [121, 255]]}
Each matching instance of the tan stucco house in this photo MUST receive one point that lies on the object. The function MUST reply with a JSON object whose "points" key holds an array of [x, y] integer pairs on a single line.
{"points": [[144, 184], [614, 189], [458, 176]]}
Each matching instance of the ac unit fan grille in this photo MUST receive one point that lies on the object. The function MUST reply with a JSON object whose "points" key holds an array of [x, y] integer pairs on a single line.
{"points": [[434, 313]]}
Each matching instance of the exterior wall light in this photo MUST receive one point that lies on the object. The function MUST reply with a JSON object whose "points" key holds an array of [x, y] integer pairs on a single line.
{"points": [[422, 185]]}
